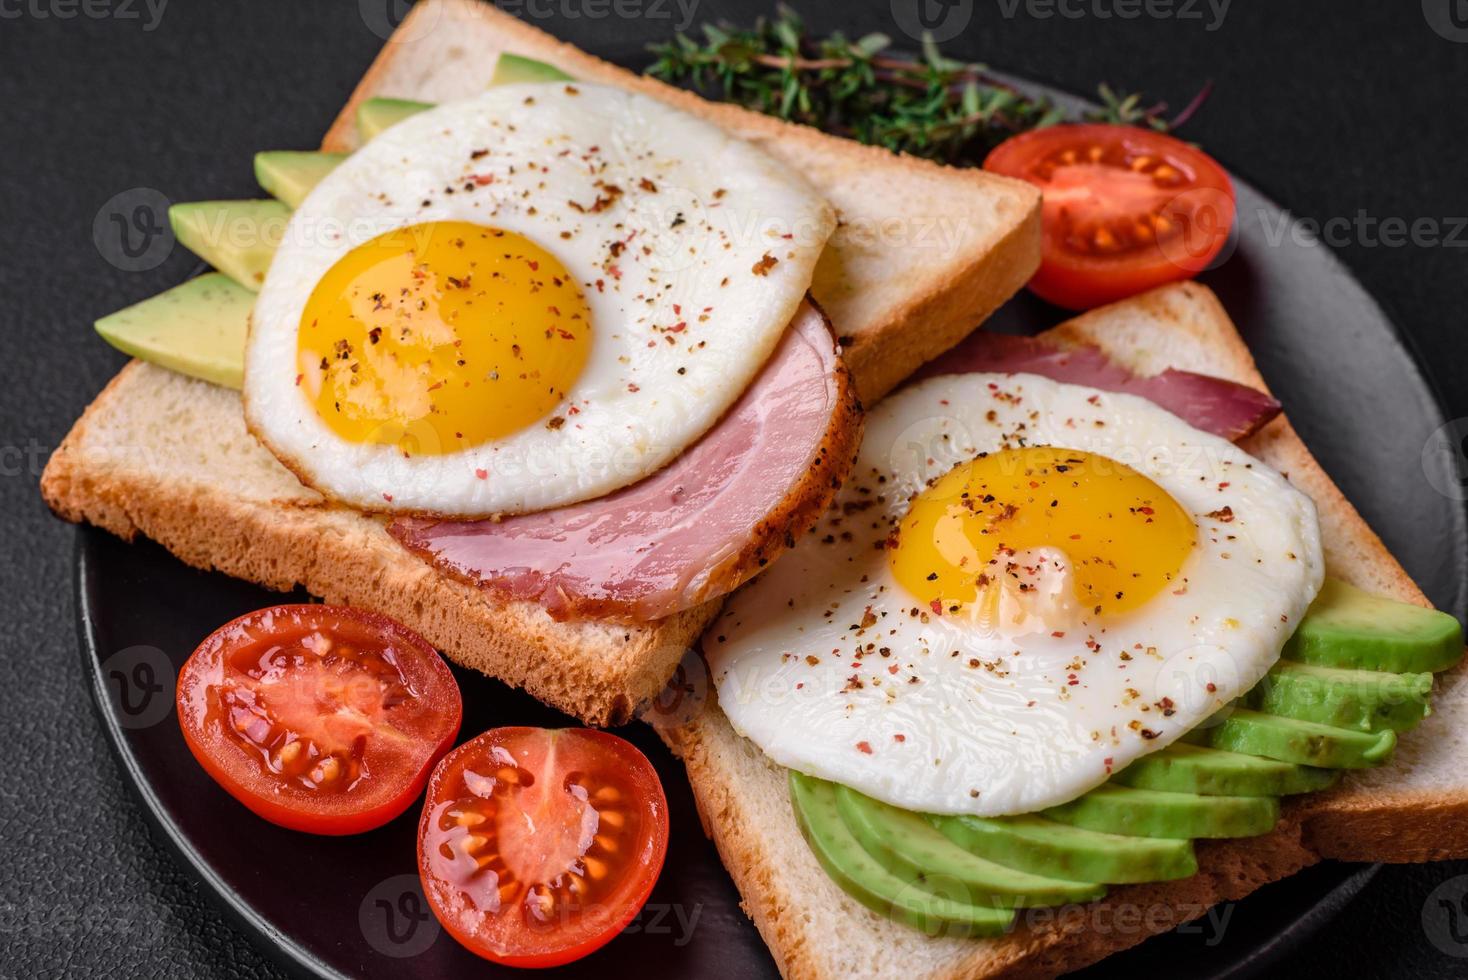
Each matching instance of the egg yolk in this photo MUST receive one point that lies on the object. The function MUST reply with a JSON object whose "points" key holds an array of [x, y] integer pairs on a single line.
{"points": [[441, 336], [979, 528]]}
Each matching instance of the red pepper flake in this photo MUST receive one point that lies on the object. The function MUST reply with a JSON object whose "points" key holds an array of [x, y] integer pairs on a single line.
{"points": [[864, 747], [937, 606], [1108, 761], [482, 473], [1146, 510], [298, 379], [387, 497], [764, 265], [1224, 515], [1212, 687], [632, 387], [483, 179], [648, 185]]}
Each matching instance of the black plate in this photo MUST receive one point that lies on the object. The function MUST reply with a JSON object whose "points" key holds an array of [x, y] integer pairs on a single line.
{"points": [[351, 907]]}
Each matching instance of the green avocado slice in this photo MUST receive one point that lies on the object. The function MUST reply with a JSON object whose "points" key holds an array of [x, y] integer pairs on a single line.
{"points": [[1345, 627], [513, 68], [375, 115], [1184, 768], [1305, 743], [1154, 813], [1057, 850], [289, 175], [912, 848], [1361, 700], [864, 879], [236, 237], [197, 328]]}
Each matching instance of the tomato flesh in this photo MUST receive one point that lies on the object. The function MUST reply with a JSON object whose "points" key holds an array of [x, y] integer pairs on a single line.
{"points": [[1124, 210], [324, 719], [537, 846]]}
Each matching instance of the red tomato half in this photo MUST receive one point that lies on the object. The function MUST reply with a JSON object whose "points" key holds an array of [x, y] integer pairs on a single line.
{"points": [[537, 846], [1125, 209], [318, 718]]}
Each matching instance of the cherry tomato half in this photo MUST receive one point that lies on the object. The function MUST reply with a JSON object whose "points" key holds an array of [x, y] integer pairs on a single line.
{"points": [[537, 846], [325, 719], [1125, 209]]}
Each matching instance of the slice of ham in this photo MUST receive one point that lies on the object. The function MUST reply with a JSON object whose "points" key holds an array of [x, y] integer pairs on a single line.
{"points": [[1224, 408], [693, 531]]}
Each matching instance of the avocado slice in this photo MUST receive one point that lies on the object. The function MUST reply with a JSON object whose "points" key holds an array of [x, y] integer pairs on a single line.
{"points": [[236, 237], [375, 115], [1184, 768], [1346, 627], [1056, 850], [1155, 813], [289, 175], [916, 904], [1305, 743], [910, 847], [513, 68], [197, 328], [1361, 700]]}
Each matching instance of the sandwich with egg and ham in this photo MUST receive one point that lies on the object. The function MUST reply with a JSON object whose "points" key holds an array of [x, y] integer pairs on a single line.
{"points": [[1068, 649], [538, 358]]}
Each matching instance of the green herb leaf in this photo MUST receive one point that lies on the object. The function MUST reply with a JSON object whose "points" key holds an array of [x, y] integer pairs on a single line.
{"points": [[931, 106]]}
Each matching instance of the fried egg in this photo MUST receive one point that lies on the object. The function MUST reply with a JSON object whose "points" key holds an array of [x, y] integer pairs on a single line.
{"points": [[523, 300], [1023, 586]]}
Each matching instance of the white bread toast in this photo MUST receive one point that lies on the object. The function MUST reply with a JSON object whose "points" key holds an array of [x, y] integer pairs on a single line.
{"points": [[923, 255], [1415, 808]]}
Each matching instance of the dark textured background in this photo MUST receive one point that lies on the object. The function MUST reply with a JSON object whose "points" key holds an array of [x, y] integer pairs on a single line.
{"points": [[1332, 108]]}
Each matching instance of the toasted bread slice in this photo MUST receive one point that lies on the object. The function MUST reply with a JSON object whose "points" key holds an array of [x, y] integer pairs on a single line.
{"points": [[924, 254], [816, 931]]}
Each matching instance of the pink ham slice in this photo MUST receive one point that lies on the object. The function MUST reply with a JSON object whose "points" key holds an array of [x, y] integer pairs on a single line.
{"points": [[1214, 405], [691, 532]]}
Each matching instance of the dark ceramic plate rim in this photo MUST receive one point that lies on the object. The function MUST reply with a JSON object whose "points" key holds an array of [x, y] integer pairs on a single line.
{"points": [[281, 947]]}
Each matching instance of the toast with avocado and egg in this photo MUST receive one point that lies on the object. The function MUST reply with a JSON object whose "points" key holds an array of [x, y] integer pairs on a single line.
{"points": [[1346, 748], [904, 257]]}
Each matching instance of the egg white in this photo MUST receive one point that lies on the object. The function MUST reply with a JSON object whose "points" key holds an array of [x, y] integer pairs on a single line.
{"points": [[937, 714], [698, 209]]}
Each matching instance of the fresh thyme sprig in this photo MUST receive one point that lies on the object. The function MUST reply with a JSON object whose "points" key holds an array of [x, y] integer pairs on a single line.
{"points": [[930, 106]]}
